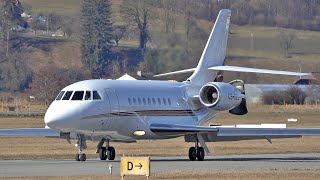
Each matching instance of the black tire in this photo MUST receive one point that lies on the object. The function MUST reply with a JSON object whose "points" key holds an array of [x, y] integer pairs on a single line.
{"points": [[82, 157], [77, 157], [103, 153], [200, 154], [111, 153], [192, 154]]}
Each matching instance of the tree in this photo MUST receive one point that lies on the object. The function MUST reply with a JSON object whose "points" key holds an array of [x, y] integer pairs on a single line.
{"points": [[297, 94], [286, 41], [49, 80], [292, 95], [96, 36], [15, 75], [118, 33], [10, 18], [168, 15], [137, 13]]}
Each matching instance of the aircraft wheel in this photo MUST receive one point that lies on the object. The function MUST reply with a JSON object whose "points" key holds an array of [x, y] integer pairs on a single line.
{"points": [[192, 154], [111, 153], [103, 153], [200, 153], [77, 157], [83, 157]]}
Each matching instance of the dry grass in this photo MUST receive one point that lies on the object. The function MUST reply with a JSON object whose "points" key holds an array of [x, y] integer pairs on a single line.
{"points": [[292, 175], [47, 148]]}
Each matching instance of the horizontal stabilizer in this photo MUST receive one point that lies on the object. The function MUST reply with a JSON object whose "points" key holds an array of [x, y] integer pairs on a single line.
{"points": [[243, 69], [261, 71]]}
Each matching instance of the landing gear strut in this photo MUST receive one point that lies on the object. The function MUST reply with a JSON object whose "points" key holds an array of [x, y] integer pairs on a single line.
{"points": [[196, 152], [107, 152], [81, 143]]}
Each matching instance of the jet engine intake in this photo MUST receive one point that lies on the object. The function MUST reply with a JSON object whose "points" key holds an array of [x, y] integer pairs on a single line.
{"points": [[220, 96]]}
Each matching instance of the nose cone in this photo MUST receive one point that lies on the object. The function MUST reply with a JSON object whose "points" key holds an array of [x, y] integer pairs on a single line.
{"points": [[61, 117]]}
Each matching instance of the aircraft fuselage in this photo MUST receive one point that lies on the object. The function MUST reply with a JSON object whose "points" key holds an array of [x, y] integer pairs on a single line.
{"points": [[126, 107]]}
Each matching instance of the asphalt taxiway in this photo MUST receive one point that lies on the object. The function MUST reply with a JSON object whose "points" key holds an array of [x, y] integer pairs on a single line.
{"points": [[21, 168]]}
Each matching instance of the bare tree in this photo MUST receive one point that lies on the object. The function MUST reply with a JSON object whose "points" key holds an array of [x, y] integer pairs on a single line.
{"points": [[137, 13], [298, 95], [286, 41], [47, 81], [119, 32], [168, 15]]}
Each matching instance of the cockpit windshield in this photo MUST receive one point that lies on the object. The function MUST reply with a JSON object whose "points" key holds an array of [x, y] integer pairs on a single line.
{"points": [[88, 95], [96, 95], [67, 95], [60, 95], [78, 95]]}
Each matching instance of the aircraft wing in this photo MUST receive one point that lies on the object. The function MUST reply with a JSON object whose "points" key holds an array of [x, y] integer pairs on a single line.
{"points": [[173, 130], [220, 133], [45, 132]]}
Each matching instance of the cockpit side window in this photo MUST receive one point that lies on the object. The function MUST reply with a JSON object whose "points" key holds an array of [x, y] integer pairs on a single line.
{"points": [[67, 95], [96, 95], [88, 95], [78, 95], [60, 95]]}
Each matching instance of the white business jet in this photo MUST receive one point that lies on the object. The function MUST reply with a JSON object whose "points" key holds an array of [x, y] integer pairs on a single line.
{"points": [[129, 110]]}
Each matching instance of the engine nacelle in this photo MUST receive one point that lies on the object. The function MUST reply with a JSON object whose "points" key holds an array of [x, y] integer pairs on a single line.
{"points": [[220, 96]]}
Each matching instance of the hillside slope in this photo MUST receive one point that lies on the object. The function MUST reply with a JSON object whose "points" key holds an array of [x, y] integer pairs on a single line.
{"points": [[250, 46]]}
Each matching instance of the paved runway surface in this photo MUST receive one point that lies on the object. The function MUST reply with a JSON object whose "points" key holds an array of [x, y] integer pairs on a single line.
{"points": [[16, 168]]}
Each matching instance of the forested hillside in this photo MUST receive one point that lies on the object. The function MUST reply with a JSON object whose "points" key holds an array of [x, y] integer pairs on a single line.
{"points": [[154, 36]]}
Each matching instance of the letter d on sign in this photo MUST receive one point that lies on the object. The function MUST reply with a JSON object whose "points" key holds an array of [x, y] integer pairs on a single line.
{"points": [[130, 166], [134, 166]]}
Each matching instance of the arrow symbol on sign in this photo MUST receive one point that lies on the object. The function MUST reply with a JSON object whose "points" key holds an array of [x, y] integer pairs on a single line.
{"points": [[140, 165]]}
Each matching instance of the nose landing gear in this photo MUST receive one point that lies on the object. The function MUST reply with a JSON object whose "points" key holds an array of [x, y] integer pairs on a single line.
{"points": [[107, 152], [81, 143]]}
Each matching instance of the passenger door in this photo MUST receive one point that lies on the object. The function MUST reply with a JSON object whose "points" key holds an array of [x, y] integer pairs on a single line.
{"points": [[113, 107]]}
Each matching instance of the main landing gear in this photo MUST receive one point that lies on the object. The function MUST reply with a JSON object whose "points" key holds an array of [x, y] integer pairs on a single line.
{"points": [[107, 152], [81, 143], [196, 152]]}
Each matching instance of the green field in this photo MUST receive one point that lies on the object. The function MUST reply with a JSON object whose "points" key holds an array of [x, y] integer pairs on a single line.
{"points": [[62, 7]]}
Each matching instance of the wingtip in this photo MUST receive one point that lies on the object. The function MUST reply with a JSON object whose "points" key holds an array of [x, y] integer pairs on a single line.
{"points": [[308, 76]]}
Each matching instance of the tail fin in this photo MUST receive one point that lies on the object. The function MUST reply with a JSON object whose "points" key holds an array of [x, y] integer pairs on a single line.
{"points": [[215, 51]]}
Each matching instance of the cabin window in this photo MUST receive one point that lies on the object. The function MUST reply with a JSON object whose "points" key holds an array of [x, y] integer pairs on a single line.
{"points": [[164, 102], [139, 101], [149, 101], [129, 100], [60, 95], [87, 95], [169, 101], [159, 101], [154, 101], [144, 101], [134, 101], [77, 96], [96, 95]]}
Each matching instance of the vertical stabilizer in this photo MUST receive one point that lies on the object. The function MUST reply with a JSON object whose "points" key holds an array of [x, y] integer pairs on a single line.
{"points": [[215, 50]]}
